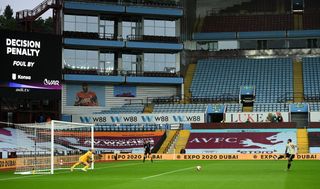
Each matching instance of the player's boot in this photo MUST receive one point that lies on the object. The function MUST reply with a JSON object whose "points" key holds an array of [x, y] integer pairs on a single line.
{"points": [[84, 169]]}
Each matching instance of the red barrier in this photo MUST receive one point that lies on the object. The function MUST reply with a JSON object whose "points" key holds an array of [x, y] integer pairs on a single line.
{"points": [[314, 125], [314, 139]]}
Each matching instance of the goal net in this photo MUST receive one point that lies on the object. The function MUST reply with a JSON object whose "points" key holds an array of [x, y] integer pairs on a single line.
{"points": [[50, 146]]}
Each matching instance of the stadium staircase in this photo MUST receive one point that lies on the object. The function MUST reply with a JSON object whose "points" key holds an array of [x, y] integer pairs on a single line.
{"points": [[297, 82], [297, 22], [181, 142], [282, 7], [28, 16], [247, 108], [148, 108], [188, 80], [198, 24], [171, 134], [303, 142]]}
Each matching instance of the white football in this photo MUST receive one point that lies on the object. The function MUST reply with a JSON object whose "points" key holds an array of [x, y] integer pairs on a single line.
{"points": [[198, 167]]}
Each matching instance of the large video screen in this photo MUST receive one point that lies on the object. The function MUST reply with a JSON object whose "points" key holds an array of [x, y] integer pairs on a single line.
{"points": [[30, 64]]}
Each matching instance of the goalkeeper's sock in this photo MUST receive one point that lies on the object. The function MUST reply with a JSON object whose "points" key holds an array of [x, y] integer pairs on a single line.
{"points": [[73, 166]]}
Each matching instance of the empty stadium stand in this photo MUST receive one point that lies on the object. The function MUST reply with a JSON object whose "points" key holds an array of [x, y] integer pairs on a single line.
{"points": [[217, 78], [233, 107], [311, 6], [271, 107], [233, 23], [314, 106], [180, 108], [252, 7], [125, 109], [262, 15], [311, 78]]}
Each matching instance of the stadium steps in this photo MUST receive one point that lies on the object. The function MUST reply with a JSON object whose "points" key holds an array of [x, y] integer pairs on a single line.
{"points": [[297, 22], [188, 80], [297, 82], [198, 24], [303, 142], [247, 108], [148, 108], [181, 142], [167, 142], [195, 26], [280, 7]]}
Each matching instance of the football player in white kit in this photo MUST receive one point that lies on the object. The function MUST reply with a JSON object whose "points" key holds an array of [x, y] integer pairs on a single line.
{"points": [[289, 153]]}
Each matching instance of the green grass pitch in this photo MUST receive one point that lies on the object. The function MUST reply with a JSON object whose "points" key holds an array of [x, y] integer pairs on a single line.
{"points": [[175, 174]]}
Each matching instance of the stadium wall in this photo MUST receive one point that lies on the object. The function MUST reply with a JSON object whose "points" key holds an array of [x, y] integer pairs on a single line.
{"points": [[314, 116]]}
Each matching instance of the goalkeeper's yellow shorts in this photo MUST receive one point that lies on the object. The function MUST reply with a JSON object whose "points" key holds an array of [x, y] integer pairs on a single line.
{"points": [[83, 160]]}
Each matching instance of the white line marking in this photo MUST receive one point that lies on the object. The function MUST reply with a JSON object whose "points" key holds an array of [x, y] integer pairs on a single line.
{"points": [[112, 166], [169, 172]]}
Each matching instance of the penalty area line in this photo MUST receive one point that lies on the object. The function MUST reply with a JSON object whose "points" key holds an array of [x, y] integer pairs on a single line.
{"points": [[167, 173]]}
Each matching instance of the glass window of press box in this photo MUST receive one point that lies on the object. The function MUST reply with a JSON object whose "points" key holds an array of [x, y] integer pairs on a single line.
{"points": [[159, 62], [79, 23], [159, 28], [84, 59]]}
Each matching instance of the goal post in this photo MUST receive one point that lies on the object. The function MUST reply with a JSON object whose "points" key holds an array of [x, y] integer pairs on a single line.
{"points": [[50, 146]]}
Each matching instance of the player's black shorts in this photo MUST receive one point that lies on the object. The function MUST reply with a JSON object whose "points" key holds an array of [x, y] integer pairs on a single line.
{"points": [[290, 156], [147, 151]]}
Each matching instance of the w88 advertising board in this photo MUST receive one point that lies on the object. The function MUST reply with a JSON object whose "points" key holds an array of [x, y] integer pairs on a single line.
{"points": [[30, 64], [168, 118]]}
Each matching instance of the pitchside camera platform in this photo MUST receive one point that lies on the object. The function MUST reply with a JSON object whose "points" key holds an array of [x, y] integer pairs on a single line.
{"points": [[30, 64]]}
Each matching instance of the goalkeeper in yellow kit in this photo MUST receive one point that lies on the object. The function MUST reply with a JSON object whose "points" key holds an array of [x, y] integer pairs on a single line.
{"points": [[84, 159]]}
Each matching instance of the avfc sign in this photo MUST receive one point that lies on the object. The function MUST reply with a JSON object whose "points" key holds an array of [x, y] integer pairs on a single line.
{"points": [[236, 142]]}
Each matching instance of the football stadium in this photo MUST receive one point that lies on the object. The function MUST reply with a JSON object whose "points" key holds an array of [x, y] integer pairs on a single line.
{"points": [[160, 94]]}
